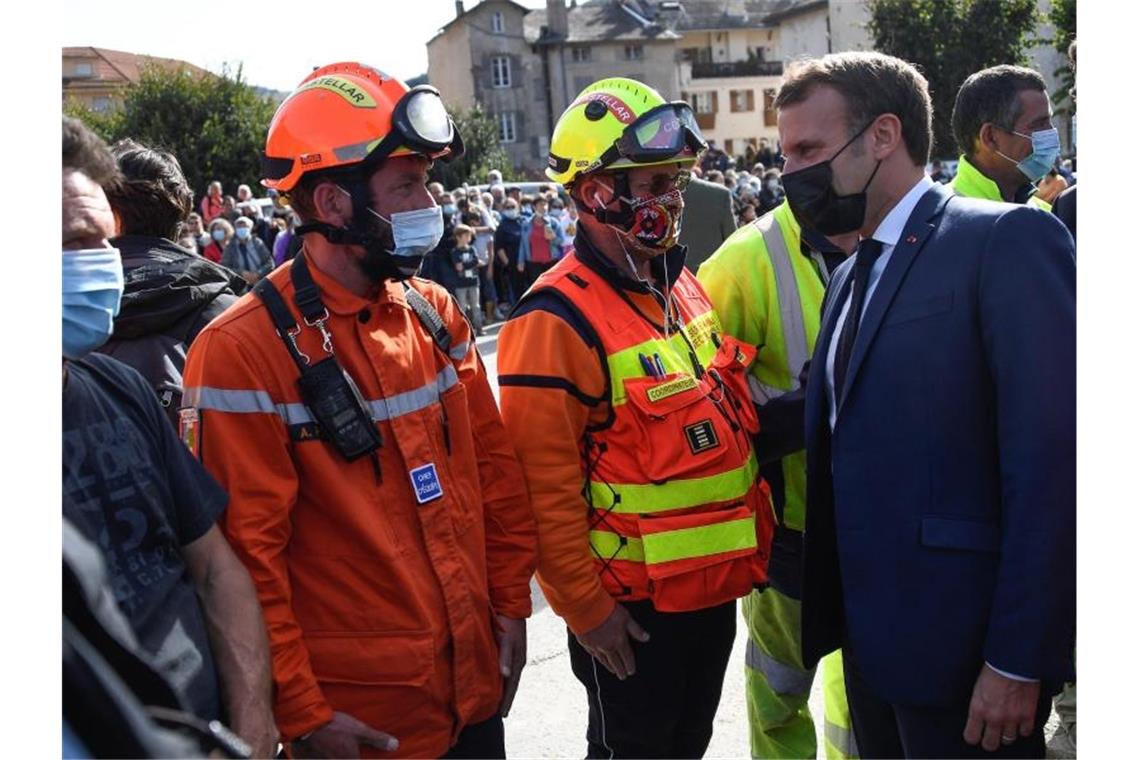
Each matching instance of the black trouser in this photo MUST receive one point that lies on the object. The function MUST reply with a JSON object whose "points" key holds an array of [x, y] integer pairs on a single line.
{"points": [[666, 708], [480, 740], [886, 730]]}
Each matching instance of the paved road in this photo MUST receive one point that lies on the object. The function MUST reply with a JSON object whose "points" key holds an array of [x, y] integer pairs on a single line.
{"points": [[549, 714]]}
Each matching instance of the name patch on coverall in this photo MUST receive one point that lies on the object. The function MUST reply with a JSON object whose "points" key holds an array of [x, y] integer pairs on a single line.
{"points": [[425, 482]]}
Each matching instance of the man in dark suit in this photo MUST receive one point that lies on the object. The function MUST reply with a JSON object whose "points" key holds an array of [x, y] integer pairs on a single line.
{"points": [[707, 221], [940, 426]]}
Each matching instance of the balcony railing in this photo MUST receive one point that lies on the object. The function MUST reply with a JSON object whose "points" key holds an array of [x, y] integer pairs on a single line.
{"points": [[738, 69]]}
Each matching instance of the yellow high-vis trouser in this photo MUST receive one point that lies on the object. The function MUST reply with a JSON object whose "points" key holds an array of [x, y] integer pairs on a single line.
{"points": [[778, 686]]}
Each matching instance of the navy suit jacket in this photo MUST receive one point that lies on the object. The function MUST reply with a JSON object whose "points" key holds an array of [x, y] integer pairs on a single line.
{"points": [[941, 512]]}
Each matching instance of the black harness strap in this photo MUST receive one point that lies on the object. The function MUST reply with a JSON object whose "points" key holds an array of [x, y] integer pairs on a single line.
{"points": [[282, 319], [306, 293], [428, 317]]}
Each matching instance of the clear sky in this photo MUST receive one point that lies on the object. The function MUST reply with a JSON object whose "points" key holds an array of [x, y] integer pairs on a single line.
{"points": [[278, 43]]}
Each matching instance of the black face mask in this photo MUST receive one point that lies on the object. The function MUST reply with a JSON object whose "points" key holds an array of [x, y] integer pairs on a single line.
{"points": [[815, 203]]}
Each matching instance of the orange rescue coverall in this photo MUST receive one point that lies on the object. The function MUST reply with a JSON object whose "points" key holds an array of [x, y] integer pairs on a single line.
{"points": [[376, 605]]}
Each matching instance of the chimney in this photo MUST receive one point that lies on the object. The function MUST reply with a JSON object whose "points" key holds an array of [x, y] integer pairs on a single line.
{"points": [[458, 8], [556, 17]]}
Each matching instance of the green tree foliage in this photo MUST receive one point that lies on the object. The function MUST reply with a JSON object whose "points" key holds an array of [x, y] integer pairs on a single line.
{"points": [[1063, 17], [950, 39], [482, 151], [214, 125]]}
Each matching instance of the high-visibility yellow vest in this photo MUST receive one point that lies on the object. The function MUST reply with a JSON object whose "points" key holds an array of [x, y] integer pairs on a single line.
{"points": [[677, 511], [971, 183], [766, 293]]}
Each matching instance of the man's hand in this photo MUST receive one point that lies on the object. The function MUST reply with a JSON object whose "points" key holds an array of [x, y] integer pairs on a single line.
{"points": [[342, 737], [1000, 710], [511, 635], [609, 642], [521, 267], [250, 277]]}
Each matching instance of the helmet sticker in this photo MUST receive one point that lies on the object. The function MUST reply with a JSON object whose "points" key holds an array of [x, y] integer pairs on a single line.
{"points": [[613, 104], [343, 87]]}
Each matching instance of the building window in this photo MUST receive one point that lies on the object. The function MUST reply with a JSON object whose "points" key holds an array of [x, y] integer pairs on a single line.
{"points": [[101, 104], [769, 110], [83, 70], [497, 22], [506, 127], [580, 54], [703, 102], [742, 101], [501, 71], [634, 52]]}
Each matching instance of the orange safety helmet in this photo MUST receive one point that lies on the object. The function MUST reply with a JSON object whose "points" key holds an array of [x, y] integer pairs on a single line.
{"points": [[349, 113]]}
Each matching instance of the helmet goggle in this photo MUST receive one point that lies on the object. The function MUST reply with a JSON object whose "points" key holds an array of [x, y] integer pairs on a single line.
{"points": [[420, 122], [657, 135]]}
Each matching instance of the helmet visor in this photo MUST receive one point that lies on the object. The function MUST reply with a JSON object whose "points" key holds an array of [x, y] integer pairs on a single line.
{"points": [[660, 133]]}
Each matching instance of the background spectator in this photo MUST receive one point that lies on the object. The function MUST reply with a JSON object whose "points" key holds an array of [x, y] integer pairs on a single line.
{"points": [[221, 232], [194, 236], [509, 281], [212, 202], [540, 246], [246, 254], [466, 266], [229, 209]]}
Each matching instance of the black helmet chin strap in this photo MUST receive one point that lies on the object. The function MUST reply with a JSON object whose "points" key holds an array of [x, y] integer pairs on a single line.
{"points": [[356, 232], [623, 218]]}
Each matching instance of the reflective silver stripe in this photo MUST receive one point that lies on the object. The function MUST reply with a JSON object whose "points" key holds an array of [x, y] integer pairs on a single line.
{"points": [[782, 677], [259, 402], [459, 351], [413, 400], [791, 310], [762, 393], [843, 739]]}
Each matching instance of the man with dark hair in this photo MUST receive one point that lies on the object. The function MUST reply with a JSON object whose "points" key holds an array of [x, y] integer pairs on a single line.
{"points": [[940, 425], [1003, 123], [130, 486], [170, 293]]}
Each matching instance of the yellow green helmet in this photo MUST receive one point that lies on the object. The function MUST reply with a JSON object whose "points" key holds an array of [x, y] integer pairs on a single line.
{"points": [[619, 122]]}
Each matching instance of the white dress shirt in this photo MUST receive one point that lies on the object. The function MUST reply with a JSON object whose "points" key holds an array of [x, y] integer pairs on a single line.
{"points": [[888, 233]]}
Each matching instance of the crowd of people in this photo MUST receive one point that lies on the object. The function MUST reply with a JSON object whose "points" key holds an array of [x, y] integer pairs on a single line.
{"points": [[294, 513]]}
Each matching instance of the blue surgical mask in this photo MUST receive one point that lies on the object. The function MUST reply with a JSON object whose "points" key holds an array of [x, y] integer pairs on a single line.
{"points": [[242, 233], [218, 234], [449, 208], [1046, 148], [415, 233], [511, 213], [92, 289]]}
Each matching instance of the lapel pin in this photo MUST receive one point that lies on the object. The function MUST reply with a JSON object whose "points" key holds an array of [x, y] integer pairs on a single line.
{"points": [[912, 239]]}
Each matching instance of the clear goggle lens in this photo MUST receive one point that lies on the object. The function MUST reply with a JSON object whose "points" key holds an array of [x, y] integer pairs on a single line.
{"points": [[428, 118]]}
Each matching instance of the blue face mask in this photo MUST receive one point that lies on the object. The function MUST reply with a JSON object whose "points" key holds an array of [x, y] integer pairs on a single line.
{"points": [[242, 233], [415, 234], [92, 289], [449, 208], [511, 213], [1046, 148]]}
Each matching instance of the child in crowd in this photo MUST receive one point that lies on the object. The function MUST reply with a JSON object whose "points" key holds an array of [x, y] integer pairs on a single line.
{"points": [[466, 265]]}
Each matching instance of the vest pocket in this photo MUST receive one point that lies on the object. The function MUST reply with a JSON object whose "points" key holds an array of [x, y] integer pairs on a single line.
{"points": [[699, 559], [684, 433], [461, 464]]}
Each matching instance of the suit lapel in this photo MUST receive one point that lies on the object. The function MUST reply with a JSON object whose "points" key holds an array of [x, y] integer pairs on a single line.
{"points": [[917, 230], [816, 410]]}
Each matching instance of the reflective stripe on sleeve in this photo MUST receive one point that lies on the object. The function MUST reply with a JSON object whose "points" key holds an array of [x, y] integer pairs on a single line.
{"points": [[842, 739], [459, 351], [781, 677]]}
